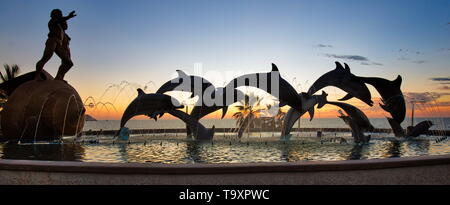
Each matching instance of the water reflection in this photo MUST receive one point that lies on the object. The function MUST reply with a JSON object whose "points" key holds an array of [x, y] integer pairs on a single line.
{"points": [[193, 151], [394, 149], [55, 152], [356, 152], [224, 151]]}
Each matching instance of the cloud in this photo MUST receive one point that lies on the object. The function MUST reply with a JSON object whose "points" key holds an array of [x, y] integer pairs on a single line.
{"points": [[441, 79], [362, 59], [324, 45], [408, 51], [348, 57], [443, 49], [445, 87], [420, 61], [424, 96]]}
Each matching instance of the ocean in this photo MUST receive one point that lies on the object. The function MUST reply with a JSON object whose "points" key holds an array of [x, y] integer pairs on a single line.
{"points": [[439, 123]]}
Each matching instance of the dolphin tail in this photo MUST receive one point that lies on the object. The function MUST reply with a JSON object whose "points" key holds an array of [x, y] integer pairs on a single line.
{"points": [[346, 97]]}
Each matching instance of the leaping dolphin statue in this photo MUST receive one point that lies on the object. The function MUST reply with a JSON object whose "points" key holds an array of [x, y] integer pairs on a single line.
{"points": [[391, 94], [419, 128], [411, 131], [286, 93], [308, 103], [357, 132], [148, 104], [342, 78], [358, 121], [189, 83]]}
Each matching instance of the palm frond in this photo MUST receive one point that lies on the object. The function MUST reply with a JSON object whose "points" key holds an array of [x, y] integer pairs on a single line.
{"points": [[10, 72]]}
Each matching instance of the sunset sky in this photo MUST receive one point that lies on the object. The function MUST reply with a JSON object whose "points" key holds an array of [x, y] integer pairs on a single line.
{"points": [[118, 46]]}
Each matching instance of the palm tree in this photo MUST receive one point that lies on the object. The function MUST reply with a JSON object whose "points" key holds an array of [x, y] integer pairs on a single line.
{"points": [[10, 71], [248, 110], [278, 118]]}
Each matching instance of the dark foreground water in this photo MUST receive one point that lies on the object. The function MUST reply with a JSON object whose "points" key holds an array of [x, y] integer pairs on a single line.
{"points": [[224, 149]]}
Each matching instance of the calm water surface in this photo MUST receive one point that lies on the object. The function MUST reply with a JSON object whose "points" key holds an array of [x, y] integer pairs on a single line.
{"points": [[223, 149]]}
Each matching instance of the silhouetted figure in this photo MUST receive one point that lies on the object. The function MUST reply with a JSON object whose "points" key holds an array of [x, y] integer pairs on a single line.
{"points": [[57, 42]]}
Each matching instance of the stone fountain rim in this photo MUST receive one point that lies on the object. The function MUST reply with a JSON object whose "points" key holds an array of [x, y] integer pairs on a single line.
{"points": [[222, 168]]}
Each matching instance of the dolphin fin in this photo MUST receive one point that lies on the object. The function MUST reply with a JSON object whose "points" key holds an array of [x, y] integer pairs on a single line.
{"points": [[182, 74], [322, 100], [398, 81], [140, 92], [274, 68], [338, 65], [311, 113], [224, 111], [346, 97], [347, 68]]}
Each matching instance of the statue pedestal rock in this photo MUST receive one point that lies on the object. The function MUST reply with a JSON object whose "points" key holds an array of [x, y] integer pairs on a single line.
{"points": [[42, 110]]}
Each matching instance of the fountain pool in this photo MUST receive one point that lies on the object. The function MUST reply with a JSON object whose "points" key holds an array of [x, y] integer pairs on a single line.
{"points": [[171, 149]]}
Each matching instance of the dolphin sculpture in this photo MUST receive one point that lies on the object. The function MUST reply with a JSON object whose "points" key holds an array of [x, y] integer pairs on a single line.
{"points": [[308, 103], [286, 93], [190, 83], [199, 131], [357, 132], [148, 104], [342, 78], [411, 131], [420, 128], [358, 121], [391, 95]]}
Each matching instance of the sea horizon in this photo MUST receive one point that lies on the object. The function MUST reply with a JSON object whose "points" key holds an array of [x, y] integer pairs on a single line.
{"points": [[439, 123]]}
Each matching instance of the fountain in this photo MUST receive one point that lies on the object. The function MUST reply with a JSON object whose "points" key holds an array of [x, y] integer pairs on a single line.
{"points": [[42, 110]]}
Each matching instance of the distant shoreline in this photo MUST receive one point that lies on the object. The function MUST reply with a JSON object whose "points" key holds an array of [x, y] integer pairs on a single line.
{"points": [[233, 130]]}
